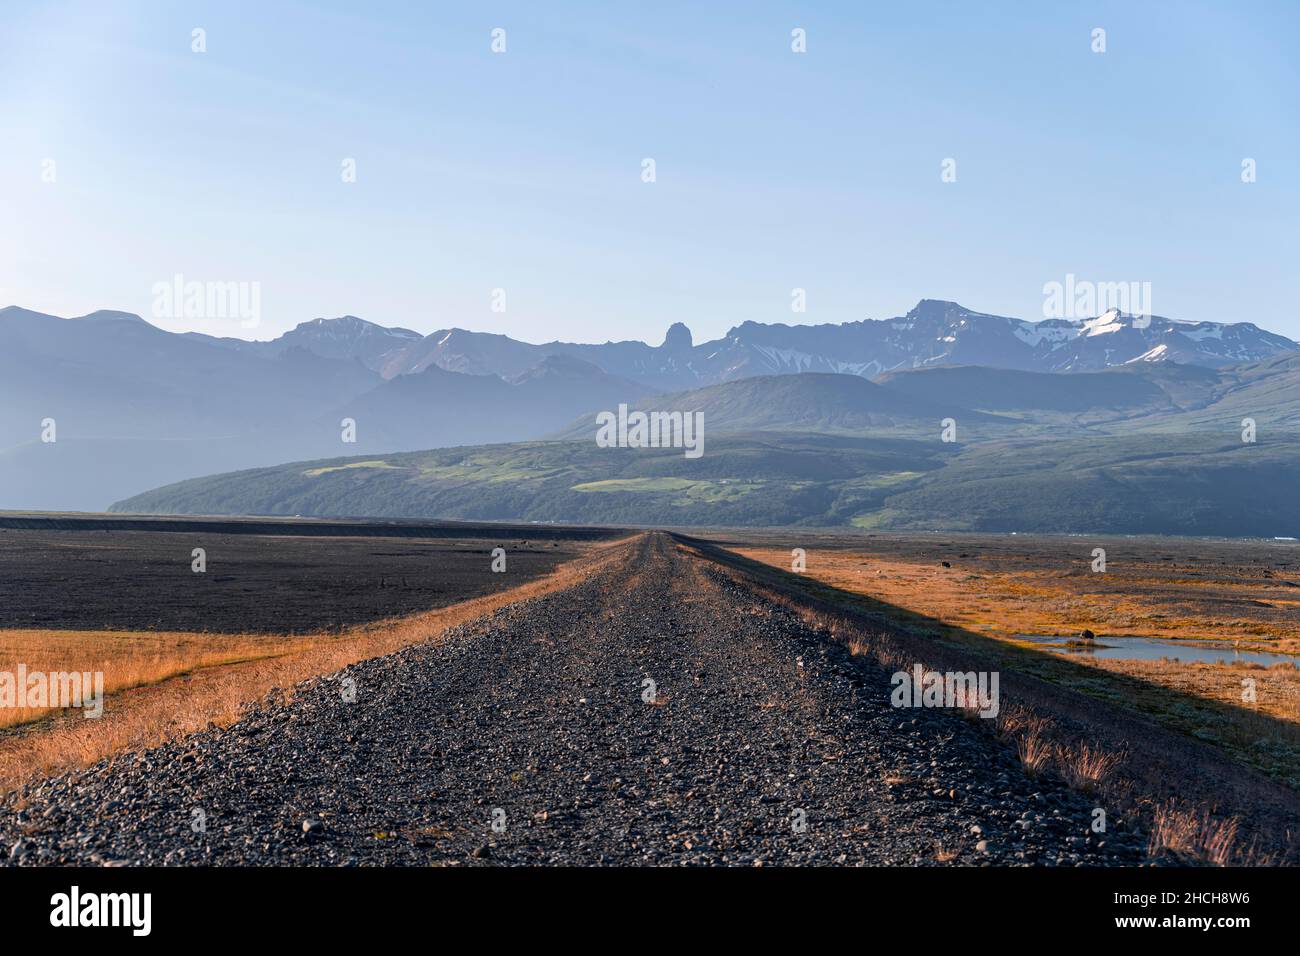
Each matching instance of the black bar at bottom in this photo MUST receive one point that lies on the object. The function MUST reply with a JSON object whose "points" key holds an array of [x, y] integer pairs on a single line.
{"points": [[332, 906]]}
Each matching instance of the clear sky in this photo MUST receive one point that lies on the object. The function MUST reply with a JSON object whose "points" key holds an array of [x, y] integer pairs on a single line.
{"points": [[522, 170]]}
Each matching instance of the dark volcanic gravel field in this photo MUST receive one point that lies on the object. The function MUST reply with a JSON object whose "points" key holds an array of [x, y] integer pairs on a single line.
{"points": [[535, 717], [263, 583]]}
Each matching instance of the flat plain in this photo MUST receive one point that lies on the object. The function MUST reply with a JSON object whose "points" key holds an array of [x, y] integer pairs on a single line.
{"points": [[280, 577], [1175, 599], [279, 601], [770, 696]]}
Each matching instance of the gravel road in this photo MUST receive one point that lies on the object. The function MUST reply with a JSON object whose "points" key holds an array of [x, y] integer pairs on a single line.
{"points": [[538, 719]]}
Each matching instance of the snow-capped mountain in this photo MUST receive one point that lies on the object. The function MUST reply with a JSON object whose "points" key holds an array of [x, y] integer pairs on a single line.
{"points": [[933, 333], [131, 399], [945, 333]]}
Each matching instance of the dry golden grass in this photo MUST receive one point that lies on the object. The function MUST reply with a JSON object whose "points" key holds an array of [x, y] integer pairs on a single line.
{"points": [[1192, 823], [1030, 734], [1086, 768], [167, 685], [944, 856], [1277, 688], [1194, 835], [133, 658], [1044, 600]]}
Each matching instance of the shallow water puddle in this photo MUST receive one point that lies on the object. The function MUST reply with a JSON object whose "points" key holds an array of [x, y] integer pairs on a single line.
{"points": [[1154, 649]]}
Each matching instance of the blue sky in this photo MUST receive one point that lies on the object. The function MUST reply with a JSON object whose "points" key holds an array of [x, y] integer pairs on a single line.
{"points": [[775, 170]]}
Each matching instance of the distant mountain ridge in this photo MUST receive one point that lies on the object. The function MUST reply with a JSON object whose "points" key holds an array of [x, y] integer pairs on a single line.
{"points": [[933, 333], [132, 405], [137, 406], [1143, 448]]}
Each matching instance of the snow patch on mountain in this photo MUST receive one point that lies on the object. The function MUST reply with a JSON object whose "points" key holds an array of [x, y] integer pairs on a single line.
{"points": [[1053, 331], [1156, 354], [1104, 324]]}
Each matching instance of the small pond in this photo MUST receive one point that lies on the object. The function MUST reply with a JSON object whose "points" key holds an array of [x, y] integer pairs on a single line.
{"points": [[1154, 649]]}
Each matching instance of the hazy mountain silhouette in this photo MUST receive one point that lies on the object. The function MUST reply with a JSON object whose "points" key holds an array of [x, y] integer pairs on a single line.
{"points": [[136, 406]]}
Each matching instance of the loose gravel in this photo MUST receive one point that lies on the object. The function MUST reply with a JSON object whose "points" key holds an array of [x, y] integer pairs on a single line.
{"points": [[534, 736]]}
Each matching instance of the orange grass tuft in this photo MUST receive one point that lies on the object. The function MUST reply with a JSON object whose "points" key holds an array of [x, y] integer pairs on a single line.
{"points": [[1194, 835]]}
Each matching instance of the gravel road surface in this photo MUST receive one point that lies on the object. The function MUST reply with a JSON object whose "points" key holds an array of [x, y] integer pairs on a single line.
{"points": [[532, 736]]}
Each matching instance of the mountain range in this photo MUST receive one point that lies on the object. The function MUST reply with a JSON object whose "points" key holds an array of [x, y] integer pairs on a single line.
{"points": [[137, 407], [1149, 448], [933, 333]]}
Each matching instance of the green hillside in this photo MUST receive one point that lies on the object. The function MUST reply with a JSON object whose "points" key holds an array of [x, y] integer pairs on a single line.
{"points": [[816, 402], [742, 480], [1185, 484]]}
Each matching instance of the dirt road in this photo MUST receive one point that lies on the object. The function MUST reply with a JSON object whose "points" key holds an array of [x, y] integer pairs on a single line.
{"points": [[533, 737]]}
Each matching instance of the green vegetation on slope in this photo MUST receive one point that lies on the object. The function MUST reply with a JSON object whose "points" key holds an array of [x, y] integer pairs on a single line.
{"points": [[1160, 484], [741, 479]]}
